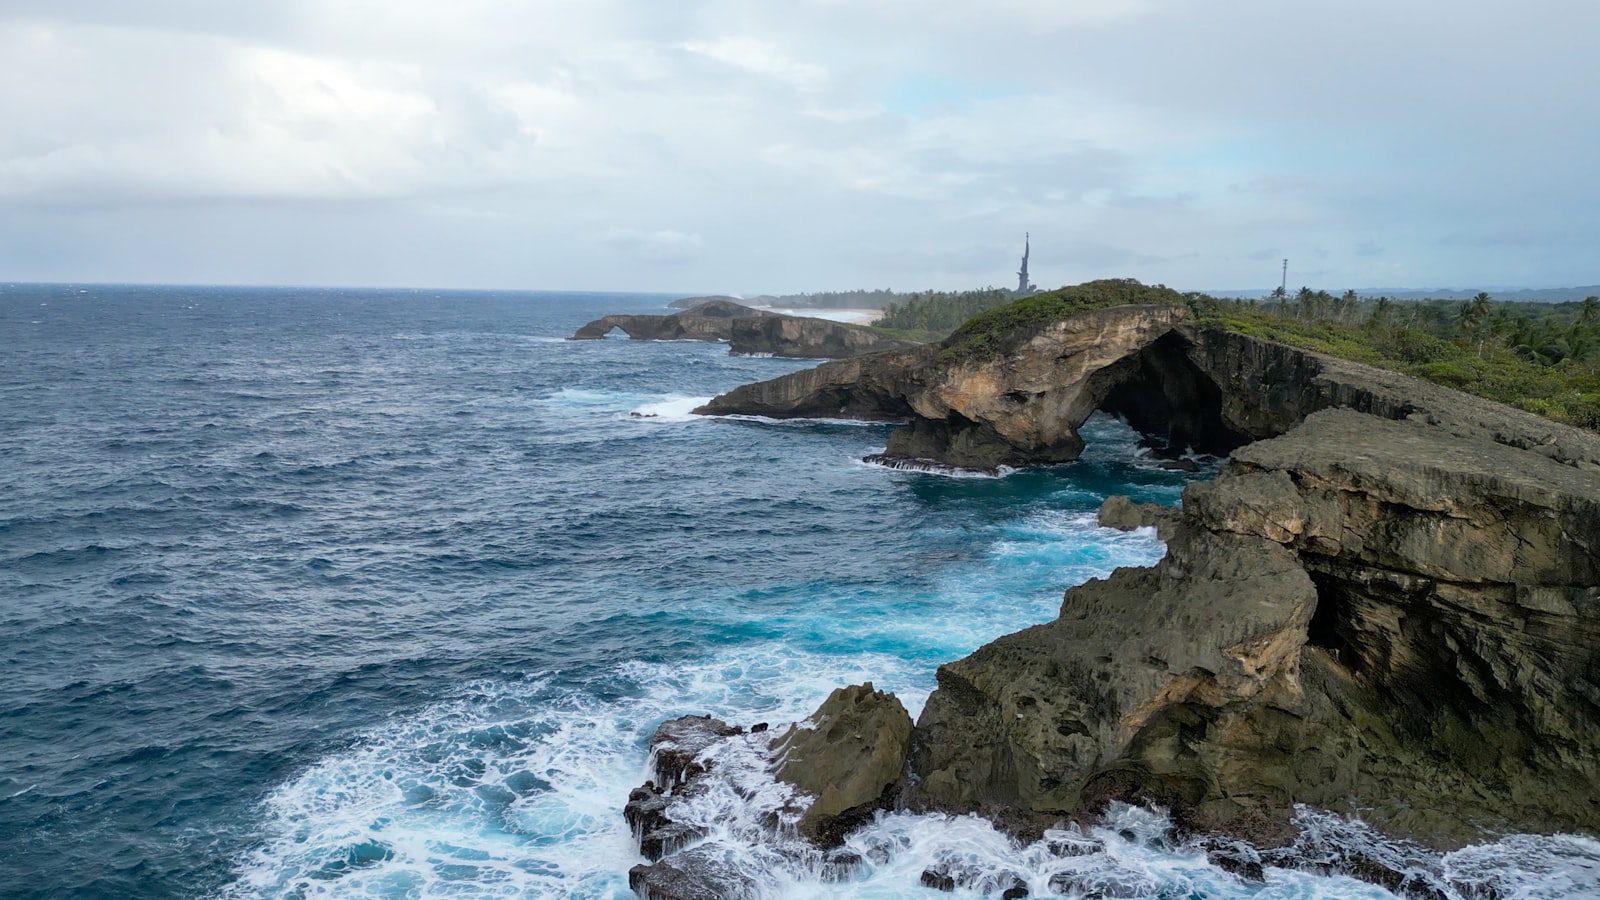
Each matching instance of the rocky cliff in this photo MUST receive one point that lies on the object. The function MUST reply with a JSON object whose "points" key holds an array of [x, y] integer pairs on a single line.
{"points": [[1361, 615], [1184, 385], [747, 331], [1388, 602]]}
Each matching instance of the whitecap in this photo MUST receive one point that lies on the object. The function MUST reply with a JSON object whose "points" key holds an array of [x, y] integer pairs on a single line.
{"points": [[671, 409], [931, 467]]}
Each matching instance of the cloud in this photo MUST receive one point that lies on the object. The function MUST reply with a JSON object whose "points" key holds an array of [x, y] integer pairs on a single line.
{"points": [[663, 246], [762, 58], [731, 145]]}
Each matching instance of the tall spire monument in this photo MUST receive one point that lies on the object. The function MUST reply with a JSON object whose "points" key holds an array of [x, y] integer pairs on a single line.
{"points": [[1024, 286]]}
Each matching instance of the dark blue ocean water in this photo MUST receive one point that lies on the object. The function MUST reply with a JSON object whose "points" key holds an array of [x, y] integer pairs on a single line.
{"points": [[379, 593]]}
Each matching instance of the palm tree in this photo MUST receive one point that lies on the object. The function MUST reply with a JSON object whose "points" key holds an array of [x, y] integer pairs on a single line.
{"points": [[1472, 321], [1381, 310], [1590, 314]]}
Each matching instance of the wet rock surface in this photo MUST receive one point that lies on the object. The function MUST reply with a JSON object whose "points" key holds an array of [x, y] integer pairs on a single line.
{"points": [[698, 873], [677, 745], [795, 792], [850, 756]]}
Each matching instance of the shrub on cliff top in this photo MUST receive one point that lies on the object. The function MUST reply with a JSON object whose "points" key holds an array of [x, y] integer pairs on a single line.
{"points": [[991, 332]]}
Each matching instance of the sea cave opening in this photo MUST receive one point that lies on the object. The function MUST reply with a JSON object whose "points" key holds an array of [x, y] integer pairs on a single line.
{"points": [[1169, 400]]}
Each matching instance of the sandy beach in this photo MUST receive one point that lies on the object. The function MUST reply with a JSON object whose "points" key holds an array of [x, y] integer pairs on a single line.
{"points": [[853, 316]]}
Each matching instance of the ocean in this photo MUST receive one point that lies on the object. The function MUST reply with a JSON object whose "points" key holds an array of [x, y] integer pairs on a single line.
{"points": [[381, 593]]}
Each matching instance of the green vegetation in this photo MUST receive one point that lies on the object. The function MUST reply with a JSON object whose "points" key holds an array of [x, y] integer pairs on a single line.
{"points": [[930, 315], [1541, 357], [993, 331]]}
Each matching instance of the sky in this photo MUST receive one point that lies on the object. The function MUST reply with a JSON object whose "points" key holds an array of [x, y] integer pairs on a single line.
{"points": [[746, 146]]}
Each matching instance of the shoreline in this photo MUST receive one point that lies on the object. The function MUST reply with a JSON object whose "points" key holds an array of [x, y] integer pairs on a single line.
{"points": [[847, 316]]}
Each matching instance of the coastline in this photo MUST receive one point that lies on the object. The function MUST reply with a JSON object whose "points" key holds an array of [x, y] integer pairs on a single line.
{"points": [[847, 316]]}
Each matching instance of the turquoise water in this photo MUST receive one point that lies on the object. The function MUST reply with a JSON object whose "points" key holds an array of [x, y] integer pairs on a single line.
{"points": [[381, 594]]}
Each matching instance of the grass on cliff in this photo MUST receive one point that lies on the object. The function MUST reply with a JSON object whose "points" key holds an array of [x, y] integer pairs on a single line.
{"points": [[1566, 391], [1543, 358], [988, 333]]}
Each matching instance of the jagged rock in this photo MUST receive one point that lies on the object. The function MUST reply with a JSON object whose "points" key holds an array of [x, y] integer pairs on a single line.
{"points": [[698, 873], [805, 337], [747, 331], [1387, 615], [939, 878], [1179, 465], [1389, 603], [1123, 514], [948, 875], [648, 813], [1039, 722], [1073, 845], [708, 321], [841, 865], [677, 744], [1105, 885], [1236, 857], [850, 755]]}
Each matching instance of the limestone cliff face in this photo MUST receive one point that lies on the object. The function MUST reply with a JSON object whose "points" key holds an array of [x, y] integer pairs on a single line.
{"points": [[1363, 614], [1186, 386], [711, 320], [803, 337], [747, 331], [1021, 406]]}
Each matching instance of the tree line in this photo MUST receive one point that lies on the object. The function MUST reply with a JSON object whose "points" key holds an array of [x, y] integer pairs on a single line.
{"points": [[1542, 357]]}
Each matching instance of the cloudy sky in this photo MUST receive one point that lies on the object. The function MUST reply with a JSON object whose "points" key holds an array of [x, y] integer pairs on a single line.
{"points": [[747, 145]]}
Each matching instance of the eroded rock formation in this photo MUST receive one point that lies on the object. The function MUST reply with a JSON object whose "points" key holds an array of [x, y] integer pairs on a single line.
{"points": [[1185, 386], [1386, 604], [747, 331], [1363, 614]]}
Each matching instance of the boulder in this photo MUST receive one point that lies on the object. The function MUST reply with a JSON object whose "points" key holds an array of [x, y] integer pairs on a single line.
{"points": [[699, 873], [1123, 514], [850, 755]]}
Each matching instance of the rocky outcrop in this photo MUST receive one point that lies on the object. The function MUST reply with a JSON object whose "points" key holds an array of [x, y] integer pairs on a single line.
{"points": [[850, 756], [1363, 614], [698, 873], [1185, 386], [796, 793], [804, 337], [1022, 406], [711, 320], [1386, 604], [747, 331]]}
